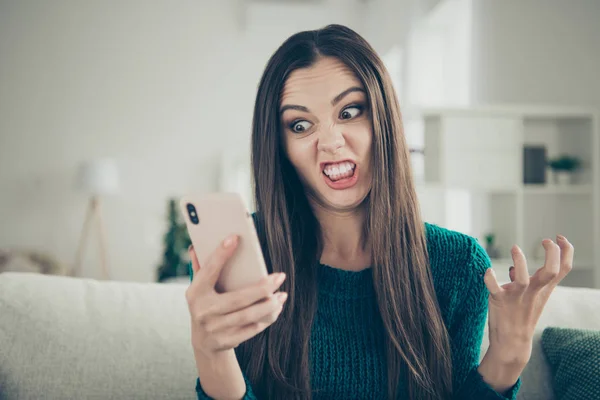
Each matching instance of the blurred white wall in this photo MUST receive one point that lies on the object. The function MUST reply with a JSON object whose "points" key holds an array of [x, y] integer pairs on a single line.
{"points": [[163, 87], [465, 52], [143, 82], [536, 51], [438, 56]]}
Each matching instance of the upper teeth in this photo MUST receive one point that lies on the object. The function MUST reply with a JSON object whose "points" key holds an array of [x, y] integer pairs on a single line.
{"points": [[340, 168]]}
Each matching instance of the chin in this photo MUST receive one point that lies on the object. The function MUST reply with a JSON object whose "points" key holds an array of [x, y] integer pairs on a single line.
{"points": [[340, 201]]}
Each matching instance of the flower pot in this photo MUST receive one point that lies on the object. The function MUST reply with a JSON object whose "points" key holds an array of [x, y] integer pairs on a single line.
{"points": [[562, 177]]}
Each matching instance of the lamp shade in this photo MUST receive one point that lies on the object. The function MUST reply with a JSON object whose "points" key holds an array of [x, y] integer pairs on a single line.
{"points": [[98, 177]]}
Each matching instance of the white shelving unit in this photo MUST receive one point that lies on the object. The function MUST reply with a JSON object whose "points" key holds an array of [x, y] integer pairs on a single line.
{"points": [[471, 178]]}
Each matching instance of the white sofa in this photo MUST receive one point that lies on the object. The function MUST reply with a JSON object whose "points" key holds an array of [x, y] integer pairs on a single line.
{"points": [[69, 338]]}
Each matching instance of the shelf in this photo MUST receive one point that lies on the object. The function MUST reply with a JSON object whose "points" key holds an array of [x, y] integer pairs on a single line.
{"points": [[472, 175], [513, 110], [503, 264], [469, 188], [558, 189], [575, 189], [506, 263]]}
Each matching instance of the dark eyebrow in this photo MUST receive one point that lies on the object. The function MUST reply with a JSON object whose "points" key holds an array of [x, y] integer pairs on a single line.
{"points": [[346, 92], [335, 100], [293, 107]]}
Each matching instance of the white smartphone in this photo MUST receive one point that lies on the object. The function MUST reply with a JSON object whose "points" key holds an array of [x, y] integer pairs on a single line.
{"points": [[210, 218]]}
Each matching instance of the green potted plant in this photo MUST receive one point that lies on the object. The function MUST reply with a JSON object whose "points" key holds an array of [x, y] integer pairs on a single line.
{"points": [[490, 245], [563, 167]]}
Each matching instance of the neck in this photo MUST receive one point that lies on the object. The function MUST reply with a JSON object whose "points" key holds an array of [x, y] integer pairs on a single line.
{"points": [[344, 244]]}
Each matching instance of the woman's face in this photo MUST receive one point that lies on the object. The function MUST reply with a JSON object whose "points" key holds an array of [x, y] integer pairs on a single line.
{"points": [[327, 132]]}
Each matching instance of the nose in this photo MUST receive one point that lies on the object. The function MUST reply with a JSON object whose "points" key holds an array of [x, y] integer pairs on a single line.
{"points": [[331, 140]]}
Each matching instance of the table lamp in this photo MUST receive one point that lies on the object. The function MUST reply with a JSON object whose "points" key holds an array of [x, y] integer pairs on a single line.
{"points": [[97, 178]]}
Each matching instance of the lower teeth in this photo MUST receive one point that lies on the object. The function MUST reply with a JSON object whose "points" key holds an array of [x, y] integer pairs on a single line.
{"points": [[337, 178]]}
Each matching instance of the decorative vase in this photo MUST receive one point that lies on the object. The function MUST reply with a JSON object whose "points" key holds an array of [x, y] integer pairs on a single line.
{"points": [[562, 177], [492, 251]]}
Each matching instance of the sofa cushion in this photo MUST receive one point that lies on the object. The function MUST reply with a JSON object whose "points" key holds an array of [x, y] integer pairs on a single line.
{"points": [[574, 357], [63, 338], [70, 338]]}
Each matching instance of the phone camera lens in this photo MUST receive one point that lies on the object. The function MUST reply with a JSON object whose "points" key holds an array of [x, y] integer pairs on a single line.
{"points": [[192, 213]]}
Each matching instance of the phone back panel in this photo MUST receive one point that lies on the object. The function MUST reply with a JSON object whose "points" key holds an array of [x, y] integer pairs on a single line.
{"points": [[219, 216]]}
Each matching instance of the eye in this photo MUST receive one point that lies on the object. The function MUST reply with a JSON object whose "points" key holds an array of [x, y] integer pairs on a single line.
{"points": [[300, 126], [351, 112]]}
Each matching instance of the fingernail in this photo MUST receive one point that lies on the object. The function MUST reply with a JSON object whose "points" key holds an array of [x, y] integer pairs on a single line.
{"points": [[281, 296], [560, 237], [190, 248], [279, 278], [229, 241]]}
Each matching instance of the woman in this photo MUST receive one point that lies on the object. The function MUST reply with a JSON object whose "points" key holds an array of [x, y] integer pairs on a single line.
{"points": [[379, 304]]}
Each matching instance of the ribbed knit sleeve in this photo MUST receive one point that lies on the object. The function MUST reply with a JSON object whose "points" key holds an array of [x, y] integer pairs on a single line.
{"points": [[467, 334], [249, 395]]}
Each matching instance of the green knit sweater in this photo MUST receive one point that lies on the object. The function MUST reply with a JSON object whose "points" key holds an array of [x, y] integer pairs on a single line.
{"points": [[347, 354]]}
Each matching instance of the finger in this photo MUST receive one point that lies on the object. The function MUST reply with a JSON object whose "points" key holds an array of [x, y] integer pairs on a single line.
{"points": [[567, 252], [249, 315], [492, 283], [240, 299], [214, 265], [521, 273], [251, 330], [544, 275]]}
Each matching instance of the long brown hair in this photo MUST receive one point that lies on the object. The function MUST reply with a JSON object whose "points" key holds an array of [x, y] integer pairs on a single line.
{"points": [[276, 361]]}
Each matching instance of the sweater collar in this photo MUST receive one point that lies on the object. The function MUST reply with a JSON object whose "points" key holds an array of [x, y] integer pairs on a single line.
{"points": [[345, 284]]}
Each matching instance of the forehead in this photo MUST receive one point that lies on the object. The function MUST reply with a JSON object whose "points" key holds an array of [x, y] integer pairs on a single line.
{"points": [[323, 80]]}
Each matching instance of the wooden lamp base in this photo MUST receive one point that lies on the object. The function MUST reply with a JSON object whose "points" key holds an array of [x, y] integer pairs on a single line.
{"points": [[93, 213]]}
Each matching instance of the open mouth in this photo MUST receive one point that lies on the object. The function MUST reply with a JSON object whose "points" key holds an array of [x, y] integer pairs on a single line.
{"points": [[338, 171]]}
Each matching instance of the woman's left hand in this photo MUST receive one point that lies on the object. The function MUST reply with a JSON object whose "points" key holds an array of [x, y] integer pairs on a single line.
{"points": [[515, 307]]}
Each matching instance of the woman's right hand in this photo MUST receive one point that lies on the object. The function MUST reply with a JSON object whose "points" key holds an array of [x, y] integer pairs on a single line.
{"points": [[221, 321]]}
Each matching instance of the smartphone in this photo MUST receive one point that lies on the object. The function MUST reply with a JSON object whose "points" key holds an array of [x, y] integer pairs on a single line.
{"points": [[210, 218]]}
